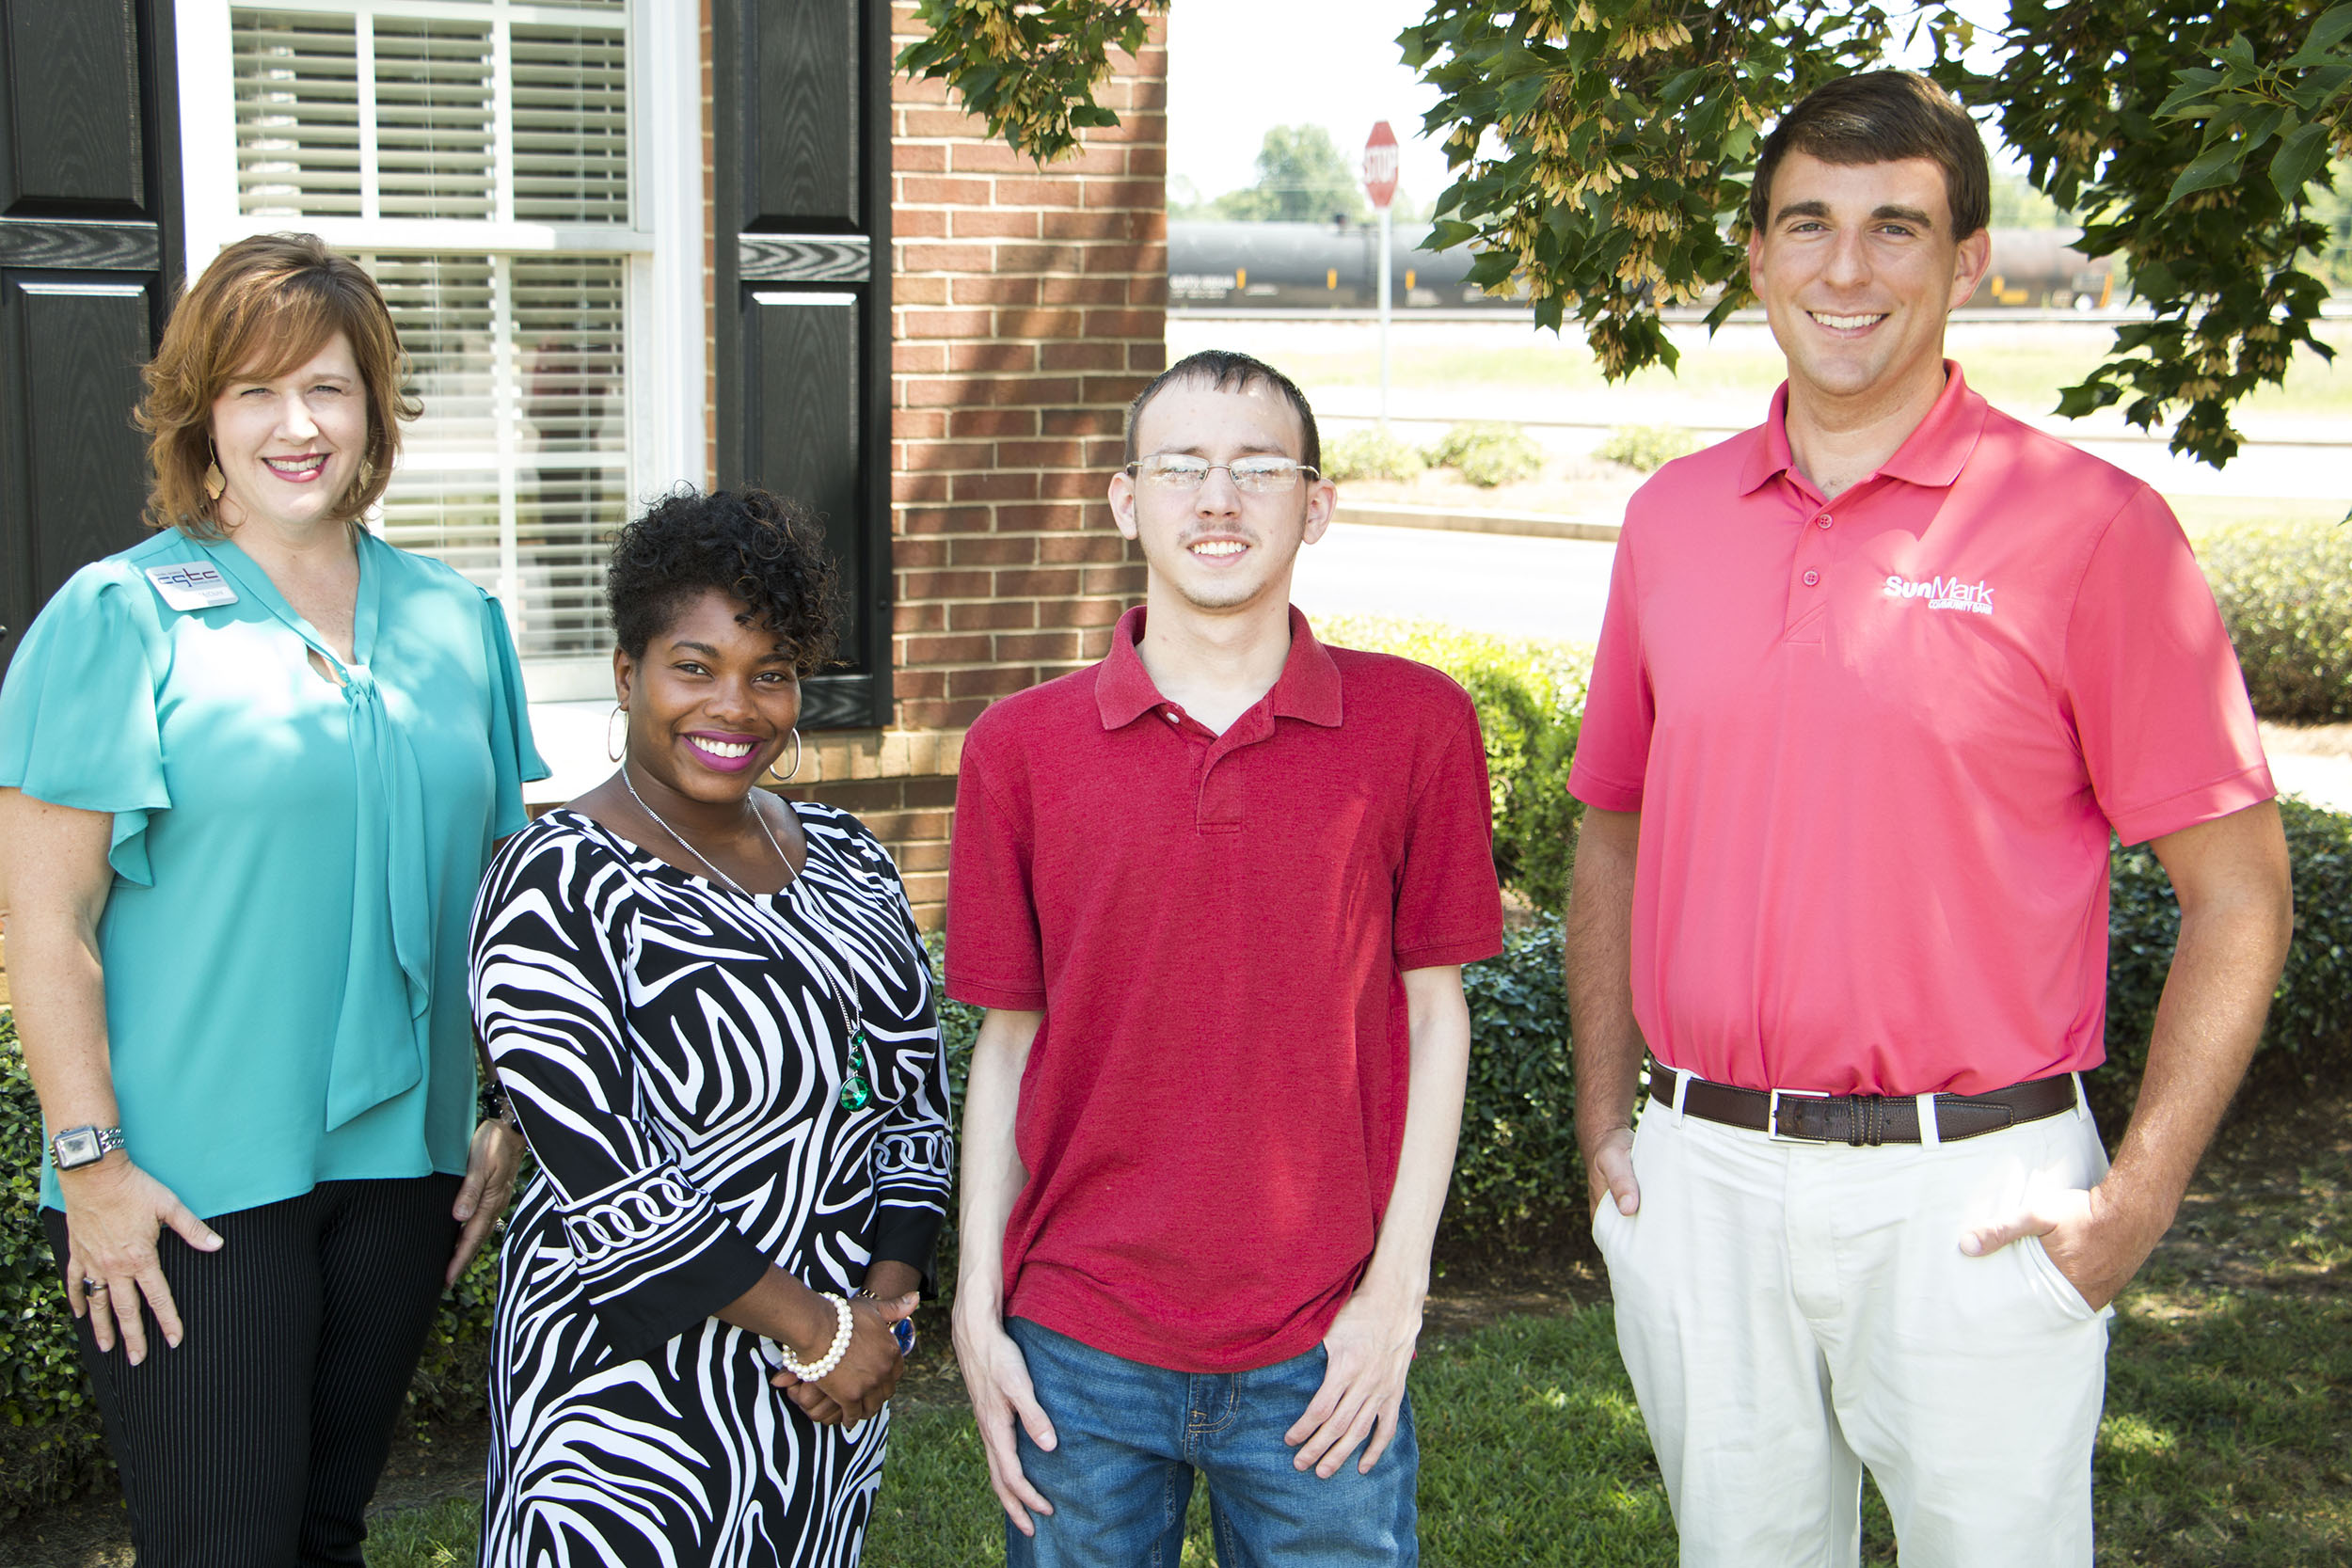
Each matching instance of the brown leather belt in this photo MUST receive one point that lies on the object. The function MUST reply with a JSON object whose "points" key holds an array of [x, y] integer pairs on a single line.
{"points": [[1866, 1121]]}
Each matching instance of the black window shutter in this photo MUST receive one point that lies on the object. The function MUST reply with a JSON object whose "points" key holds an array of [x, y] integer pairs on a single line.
{"points": [[89, 252], [800, 116]]}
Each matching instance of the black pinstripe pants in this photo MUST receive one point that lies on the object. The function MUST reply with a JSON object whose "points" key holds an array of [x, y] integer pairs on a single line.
{"points": [[258, 1441]]}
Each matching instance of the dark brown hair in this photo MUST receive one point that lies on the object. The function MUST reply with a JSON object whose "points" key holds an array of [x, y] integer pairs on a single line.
{"points": [[763, 550], [1881, 117], [264, 306], [1224, 369]]}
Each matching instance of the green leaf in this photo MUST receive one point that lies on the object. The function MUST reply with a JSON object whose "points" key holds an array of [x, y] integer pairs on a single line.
{"points": [[2333, 26], [2301, 154], [2260, 125], [2217, 166], [2194, 87], [2320, 85], [2075, 403]]}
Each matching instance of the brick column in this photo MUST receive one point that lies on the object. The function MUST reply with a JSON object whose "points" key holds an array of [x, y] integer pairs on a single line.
{"points": [[1031, 308]]}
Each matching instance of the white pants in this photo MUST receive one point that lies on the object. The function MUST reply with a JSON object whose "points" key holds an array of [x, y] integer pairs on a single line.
{"points": [[1790, 1311]]}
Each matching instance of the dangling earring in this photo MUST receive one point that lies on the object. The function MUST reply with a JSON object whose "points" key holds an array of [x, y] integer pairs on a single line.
{"points": [[215, 480], [770, 777], [612, 746]]}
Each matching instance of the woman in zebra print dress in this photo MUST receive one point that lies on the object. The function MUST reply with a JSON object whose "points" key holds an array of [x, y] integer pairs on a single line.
{"points": [[713, 1015]]}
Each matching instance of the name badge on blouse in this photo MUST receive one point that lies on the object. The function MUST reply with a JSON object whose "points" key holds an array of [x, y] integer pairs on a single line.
{"points": [[191, 585]]}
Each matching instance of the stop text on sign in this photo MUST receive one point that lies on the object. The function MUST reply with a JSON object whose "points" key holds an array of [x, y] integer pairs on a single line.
{"points": [[1380, 153]]}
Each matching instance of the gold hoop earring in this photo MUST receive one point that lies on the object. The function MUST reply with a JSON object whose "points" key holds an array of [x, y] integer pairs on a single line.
{"points": [[613, 747], [796, 761]]}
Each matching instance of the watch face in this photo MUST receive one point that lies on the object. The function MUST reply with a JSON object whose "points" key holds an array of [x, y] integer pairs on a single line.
{"points": [[77, 1147]]}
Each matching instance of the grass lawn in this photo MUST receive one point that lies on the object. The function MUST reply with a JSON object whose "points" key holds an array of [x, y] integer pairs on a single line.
{"points": [[2227, 1439]]}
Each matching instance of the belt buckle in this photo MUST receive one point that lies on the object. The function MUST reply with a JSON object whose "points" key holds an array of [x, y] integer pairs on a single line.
{"points": [[1772, 1115]]}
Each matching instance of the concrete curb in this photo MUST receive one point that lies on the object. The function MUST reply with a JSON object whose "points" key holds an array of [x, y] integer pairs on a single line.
{"points": [[1542, 525]]}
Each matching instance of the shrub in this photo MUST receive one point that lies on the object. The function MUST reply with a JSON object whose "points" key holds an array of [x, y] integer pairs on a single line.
{"points": [[1530, 697], [50, 1441], [2309, 1033], [1517, 1170], [2286, 597], [1488, 454], [1368, 454], [1647, 447]]}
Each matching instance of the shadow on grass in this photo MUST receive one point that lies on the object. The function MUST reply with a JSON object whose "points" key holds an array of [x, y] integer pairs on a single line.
{"points": [[2228, 1426]]}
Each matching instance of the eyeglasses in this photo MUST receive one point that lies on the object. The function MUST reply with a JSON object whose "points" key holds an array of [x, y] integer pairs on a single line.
{"points": [[1251, 476]]}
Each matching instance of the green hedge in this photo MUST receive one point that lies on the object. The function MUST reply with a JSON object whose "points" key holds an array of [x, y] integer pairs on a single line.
{"points": [[2286, 597], [1371, 454], [1646, 447], [1515, 1170], [1487, 454], [1530, 697], [50, 1445], [2309, 1036]]}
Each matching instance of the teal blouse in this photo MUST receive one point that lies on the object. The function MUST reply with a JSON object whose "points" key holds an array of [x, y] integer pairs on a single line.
{"points": [[295, 860]]}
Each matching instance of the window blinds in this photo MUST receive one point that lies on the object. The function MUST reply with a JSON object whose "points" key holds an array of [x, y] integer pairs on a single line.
{"points": [[517, 473]]}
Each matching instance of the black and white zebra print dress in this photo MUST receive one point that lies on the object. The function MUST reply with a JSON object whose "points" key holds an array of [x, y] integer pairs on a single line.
{"points": [[676, 1051]]}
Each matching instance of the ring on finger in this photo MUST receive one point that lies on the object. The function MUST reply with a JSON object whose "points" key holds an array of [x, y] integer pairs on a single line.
{"points": [[93, 1286]]}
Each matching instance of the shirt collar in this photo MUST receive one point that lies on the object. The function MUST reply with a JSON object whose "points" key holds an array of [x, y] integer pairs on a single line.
{"points": [[1932, 455], [1307, 689]]}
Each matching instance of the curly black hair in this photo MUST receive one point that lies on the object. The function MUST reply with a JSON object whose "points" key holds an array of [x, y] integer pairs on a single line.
{"points": [[761, 549]]}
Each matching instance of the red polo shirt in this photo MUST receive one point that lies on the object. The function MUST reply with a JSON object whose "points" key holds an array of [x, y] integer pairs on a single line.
{"points": [[1217, 928], [1877, 744]]}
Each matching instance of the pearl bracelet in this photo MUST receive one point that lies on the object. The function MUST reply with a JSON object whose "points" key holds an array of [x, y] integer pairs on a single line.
{"points": [[816, 1370]]}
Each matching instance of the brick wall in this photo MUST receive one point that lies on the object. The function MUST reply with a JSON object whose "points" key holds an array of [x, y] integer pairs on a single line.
{"points": [[1030, 307]]}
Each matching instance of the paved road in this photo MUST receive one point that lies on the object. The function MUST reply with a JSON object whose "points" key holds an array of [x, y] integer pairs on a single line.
{"points": [[1493, 583]]}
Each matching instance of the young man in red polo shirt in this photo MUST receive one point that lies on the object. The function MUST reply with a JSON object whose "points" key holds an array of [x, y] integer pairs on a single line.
{"points": [[1876, 681], [1215, 893]]}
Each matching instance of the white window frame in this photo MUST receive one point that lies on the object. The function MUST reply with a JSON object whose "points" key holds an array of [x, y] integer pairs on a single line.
{"points": [[663, 341]]}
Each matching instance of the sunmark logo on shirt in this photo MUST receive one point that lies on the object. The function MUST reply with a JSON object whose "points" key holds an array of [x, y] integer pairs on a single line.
{"points": [[1944, 593]]}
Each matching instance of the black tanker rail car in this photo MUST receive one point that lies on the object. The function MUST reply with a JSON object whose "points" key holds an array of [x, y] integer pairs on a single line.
{"points": [[1323, 266], [1313, 266]]}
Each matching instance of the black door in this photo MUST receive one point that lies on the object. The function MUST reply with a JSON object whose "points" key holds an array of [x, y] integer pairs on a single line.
{"points": [[802, 123], [89, 252]]}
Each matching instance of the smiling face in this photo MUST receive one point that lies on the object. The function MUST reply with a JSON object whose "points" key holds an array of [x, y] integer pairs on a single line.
{"points": [[1857, 270], [1214, 548], [290, 446], [710, 704]]}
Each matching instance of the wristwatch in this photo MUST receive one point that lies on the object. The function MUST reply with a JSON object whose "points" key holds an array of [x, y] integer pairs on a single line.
{"points": [[77, 1147]]}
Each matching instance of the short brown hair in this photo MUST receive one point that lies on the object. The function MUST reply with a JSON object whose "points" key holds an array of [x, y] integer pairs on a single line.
{"points": [[1224, 369], [1881, 116], [264, 306]]}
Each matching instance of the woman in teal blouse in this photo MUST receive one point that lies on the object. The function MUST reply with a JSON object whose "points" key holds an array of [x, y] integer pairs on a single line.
{"points": [[250, 773]]}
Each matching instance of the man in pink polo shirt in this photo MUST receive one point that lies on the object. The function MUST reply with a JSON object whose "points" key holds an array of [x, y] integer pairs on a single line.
{"points": [[1215, 893], [1877, 680]]}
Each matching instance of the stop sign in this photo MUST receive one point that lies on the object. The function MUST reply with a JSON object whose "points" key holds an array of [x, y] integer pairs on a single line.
{"points": [[1380, 164]]}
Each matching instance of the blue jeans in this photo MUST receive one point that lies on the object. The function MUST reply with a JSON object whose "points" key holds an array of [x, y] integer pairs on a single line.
{"points": [[1131, 1435]]}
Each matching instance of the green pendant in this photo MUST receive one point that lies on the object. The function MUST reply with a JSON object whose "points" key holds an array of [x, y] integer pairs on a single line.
{"points": [[854, 1092]]}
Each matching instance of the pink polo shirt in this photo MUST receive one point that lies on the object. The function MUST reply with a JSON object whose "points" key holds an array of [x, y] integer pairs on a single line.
{"points": [[1877, 744]]}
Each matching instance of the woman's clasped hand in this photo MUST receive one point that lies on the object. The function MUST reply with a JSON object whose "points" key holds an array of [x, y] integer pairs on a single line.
{"points": [[868, 1372]]}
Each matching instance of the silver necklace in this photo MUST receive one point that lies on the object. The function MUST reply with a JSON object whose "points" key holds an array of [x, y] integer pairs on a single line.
{"points": [[855, 1088], [758, 816], [856, 1091]]}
